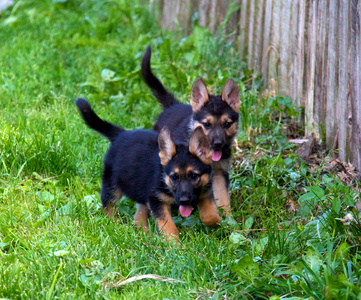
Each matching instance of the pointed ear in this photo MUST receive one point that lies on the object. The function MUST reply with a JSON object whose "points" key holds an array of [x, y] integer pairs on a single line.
{"points": [[200, 146], [231, 95], [166, 146], [199, 94]]}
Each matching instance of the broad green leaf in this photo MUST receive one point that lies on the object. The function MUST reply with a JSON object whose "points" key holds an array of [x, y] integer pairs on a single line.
{"points": [[238, 238], [249, 222], [230, 221], [348, 199], [316, 230], [313, 260], [67, 209], [246, 267], [107, 75], [43, 217], [336, 286], [317, 191], [342, 251], [305, 210], [41, 208], [191, 221], [260, 245], [327, 179], [336, 204], [90, 199], [45, 196], [306, 197]]}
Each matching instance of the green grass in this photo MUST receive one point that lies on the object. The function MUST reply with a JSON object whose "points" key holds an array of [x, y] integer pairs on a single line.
{"points": [[55, 241]]}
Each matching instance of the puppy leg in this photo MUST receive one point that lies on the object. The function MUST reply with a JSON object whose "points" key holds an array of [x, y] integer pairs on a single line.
{"points": [[109, 195], [162, 214], [208, 211], [220, 191], [110, 198], [141, 217]]}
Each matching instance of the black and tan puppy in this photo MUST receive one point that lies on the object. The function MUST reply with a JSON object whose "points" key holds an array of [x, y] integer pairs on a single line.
{"points": [[218, 115], [156, 172]]}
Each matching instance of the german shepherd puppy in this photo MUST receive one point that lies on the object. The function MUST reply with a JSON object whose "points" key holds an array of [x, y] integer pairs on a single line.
{"points": [[218, 115], [156, 172]]}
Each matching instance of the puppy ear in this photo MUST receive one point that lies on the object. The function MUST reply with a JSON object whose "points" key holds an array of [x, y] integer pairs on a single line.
{"points": [[231, 95], [200, 146], [166, 146], [199, 94]]}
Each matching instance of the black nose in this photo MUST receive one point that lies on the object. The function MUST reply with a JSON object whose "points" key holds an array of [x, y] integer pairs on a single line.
{"points": [[217, 144], [184, 199]]}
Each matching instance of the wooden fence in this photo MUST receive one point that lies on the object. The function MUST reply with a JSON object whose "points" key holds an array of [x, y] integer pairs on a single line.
{"points": [[309, 50]]}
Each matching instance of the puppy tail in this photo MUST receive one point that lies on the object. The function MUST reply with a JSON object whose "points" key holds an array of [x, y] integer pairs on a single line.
{"points": [[93, 121], [159, 91]]}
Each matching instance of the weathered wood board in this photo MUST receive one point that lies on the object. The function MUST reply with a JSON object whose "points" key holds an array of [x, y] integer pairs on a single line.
{"points": [[309, 50]]}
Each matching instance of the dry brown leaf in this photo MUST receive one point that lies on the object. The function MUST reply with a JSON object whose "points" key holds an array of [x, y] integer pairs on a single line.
{"points": [[290, 206]]}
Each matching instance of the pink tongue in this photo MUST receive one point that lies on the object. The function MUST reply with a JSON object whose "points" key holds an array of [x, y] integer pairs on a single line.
{"points": [[216, 155], [185, 210]]}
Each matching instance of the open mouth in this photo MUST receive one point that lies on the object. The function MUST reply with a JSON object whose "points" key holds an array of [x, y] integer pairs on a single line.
{"points": [[185, 210], [216, 154]]}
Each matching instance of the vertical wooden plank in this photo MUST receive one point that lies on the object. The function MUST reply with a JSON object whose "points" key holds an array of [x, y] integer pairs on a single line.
{"points": [[213, 16], [185, 14], [331, 75], [250, 34], [284, 48], [297, 52], [320, 68], [355, 83], [342, 77], [223, 9], [203, 12], [257, 56], [170, 12], [243, 28], [177, 11], [233, 27], [266, 38], [160, 13], [300, 51], [292, 71], [274, 48], [310, 67], [358, 86]]}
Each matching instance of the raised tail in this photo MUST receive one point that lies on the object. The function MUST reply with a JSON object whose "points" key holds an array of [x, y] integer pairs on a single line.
{"points": [[159, 91], [93, 121]]}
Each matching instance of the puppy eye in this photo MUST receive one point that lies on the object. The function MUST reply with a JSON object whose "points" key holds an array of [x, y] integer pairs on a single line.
{"points": [[193, 176], [174, 177], [206, 125], [227, 124]]}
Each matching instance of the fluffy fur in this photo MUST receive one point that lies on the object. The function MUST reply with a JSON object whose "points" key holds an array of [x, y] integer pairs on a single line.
{"points": [[217, 115], [156, 172]]}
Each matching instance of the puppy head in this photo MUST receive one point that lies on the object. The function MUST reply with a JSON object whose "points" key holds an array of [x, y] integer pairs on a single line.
{"points": [[217, 115], [188, 173]]}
